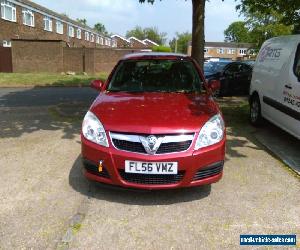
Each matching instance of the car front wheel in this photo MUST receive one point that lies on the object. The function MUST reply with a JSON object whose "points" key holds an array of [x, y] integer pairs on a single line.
{"points": [[255, 111]]}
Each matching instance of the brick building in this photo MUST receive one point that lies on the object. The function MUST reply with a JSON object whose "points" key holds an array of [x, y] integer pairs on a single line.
{"points": [[133, 42], [23, 19], [226, 50]]}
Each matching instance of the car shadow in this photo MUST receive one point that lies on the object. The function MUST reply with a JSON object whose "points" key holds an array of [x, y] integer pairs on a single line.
{"points": [[132, 196], [29, 110]]}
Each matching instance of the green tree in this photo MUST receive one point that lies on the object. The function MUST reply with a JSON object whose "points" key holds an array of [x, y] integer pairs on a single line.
{"points": [[82, 21], [137, 32], [180, 42], [100, 28], [265, 26], [198, 29], [151, 33], [289, 10], [237, 32]]}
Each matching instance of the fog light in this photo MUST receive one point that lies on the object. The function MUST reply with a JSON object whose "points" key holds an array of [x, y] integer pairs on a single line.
{"points": [[100, 166]]}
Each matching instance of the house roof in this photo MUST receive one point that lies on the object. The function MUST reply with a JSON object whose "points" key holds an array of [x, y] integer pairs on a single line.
{"points": [[65, 18], [227, 45], [150, 41], [122, 38], [136, 39]]}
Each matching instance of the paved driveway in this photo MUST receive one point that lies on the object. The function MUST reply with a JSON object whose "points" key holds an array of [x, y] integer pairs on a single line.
{"points": [[47, 204]]}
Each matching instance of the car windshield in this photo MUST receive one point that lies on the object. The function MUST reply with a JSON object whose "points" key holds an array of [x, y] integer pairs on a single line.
{"points": [[214, 67], [156, 76]]}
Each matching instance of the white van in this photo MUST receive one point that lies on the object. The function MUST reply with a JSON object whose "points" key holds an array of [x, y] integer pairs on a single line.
{"points": [[275, 85]]}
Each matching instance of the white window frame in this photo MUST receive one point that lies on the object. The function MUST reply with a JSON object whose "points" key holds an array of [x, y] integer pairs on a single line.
{"points": [[243, 52], [78, 33], [59, 27], [71, 31], [220, 51], [230, 51], [7, 4], [6, 43], [87, 36], [98, 39], [92, 38], [50, 22], [28, 12], [101, 40], [114, 43]]}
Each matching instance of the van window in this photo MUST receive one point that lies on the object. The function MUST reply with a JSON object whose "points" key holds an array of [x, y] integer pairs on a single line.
{"points": [[297, 63]]}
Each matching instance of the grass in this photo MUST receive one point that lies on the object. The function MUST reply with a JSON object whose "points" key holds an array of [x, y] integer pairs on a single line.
{"points": [[47, 79]]}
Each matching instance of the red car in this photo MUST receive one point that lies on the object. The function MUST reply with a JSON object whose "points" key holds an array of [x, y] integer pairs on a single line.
{"points": [[154, 125]]}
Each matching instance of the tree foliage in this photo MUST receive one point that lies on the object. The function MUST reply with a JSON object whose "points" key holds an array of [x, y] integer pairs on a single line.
{"points": [[151, 33], [257, 28], [288, 9], [237, 32], [82, 21], [198, 35], [100, 28], [182, 40]]}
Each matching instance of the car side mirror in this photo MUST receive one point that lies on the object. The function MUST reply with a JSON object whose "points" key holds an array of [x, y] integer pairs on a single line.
{"points": [[97, 84], [214, 85]]}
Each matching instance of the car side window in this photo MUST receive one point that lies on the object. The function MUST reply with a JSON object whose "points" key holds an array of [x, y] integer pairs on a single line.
{"points": [[297, 63]]}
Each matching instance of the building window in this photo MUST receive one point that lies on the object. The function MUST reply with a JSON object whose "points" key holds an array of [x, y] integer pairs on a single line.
{"points": [[92, 38], [101, 41], [114, 43], [28, 17], [243, 52], [220, 51], [107, 42], [87, 36], [8, 11], [59, 27], [6, 43], [71, 31], [98, 39], [79, 33], [205, 50], [47, 23], [231, 51]]}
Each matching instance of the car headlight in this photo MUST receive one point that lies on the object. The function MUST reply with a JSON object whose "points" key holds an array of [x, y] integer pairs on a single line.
{"points": [[211, 133], [93, 130]]}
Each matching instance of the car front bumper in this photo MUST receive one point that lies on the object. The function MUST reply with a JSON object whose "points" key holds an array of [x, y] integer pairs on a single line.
{"points": [[195, 168]]}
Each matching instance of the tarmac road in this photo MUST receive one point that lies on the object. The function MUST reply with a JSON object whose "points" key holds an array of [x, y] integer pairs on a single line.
{"points": [[47, 204]]}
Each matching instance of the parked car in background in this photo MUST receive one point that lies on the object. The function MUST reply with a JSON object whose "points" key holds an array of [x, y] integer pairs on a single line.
{"points": [[235, 77], [275, 86], [154, 125]]}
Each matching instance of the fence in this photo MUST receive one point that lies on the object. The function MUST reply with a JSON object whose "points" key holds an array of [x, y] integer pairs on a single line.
{"points": [[55, 57]]}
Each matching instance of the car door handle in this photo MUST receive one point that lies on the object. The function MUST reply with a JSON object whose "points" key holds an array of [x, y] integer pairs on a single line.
{"points": [[288, 86]]}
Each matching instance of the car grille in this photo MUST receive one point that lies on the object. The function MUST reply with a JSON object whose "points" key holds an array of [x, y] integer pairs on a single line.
{"points": [[92, 168], [129, 146], [151, 179], [209, 171], [131, 143]]}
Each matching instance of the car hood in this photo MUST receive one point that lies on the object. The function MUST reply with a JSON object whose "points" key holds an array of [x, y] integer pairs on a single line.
{"points": [[153, 113]]}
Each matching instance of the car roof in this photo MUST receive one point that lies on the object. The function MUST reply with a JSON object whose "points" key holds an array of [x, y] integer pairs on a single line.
{"points": [[151, 55]]}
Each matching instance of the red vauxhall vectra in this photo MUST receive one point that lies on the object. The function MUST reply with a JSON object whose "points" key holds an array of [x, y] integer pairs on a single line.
{"points": [[154, 125]]}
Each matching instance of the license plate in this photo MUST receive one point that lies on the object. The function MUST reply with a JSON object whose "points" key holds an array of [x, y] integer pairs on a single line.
{"points": [[137, 167]]}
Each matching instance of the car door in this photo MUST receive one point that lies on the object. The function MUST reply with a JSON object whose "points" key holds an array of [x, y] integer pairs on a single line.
{"points": [[230, 73], [244, 78]]}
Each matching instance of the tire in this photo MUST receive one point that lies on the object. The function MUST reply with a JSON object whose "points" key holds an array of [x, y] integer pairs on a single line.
{"points": [[255, 111]]}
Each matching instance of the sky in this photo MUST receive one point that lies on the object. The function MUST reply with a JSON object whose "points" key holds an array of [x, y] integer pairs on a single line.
{"points": [[168, 16]]}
